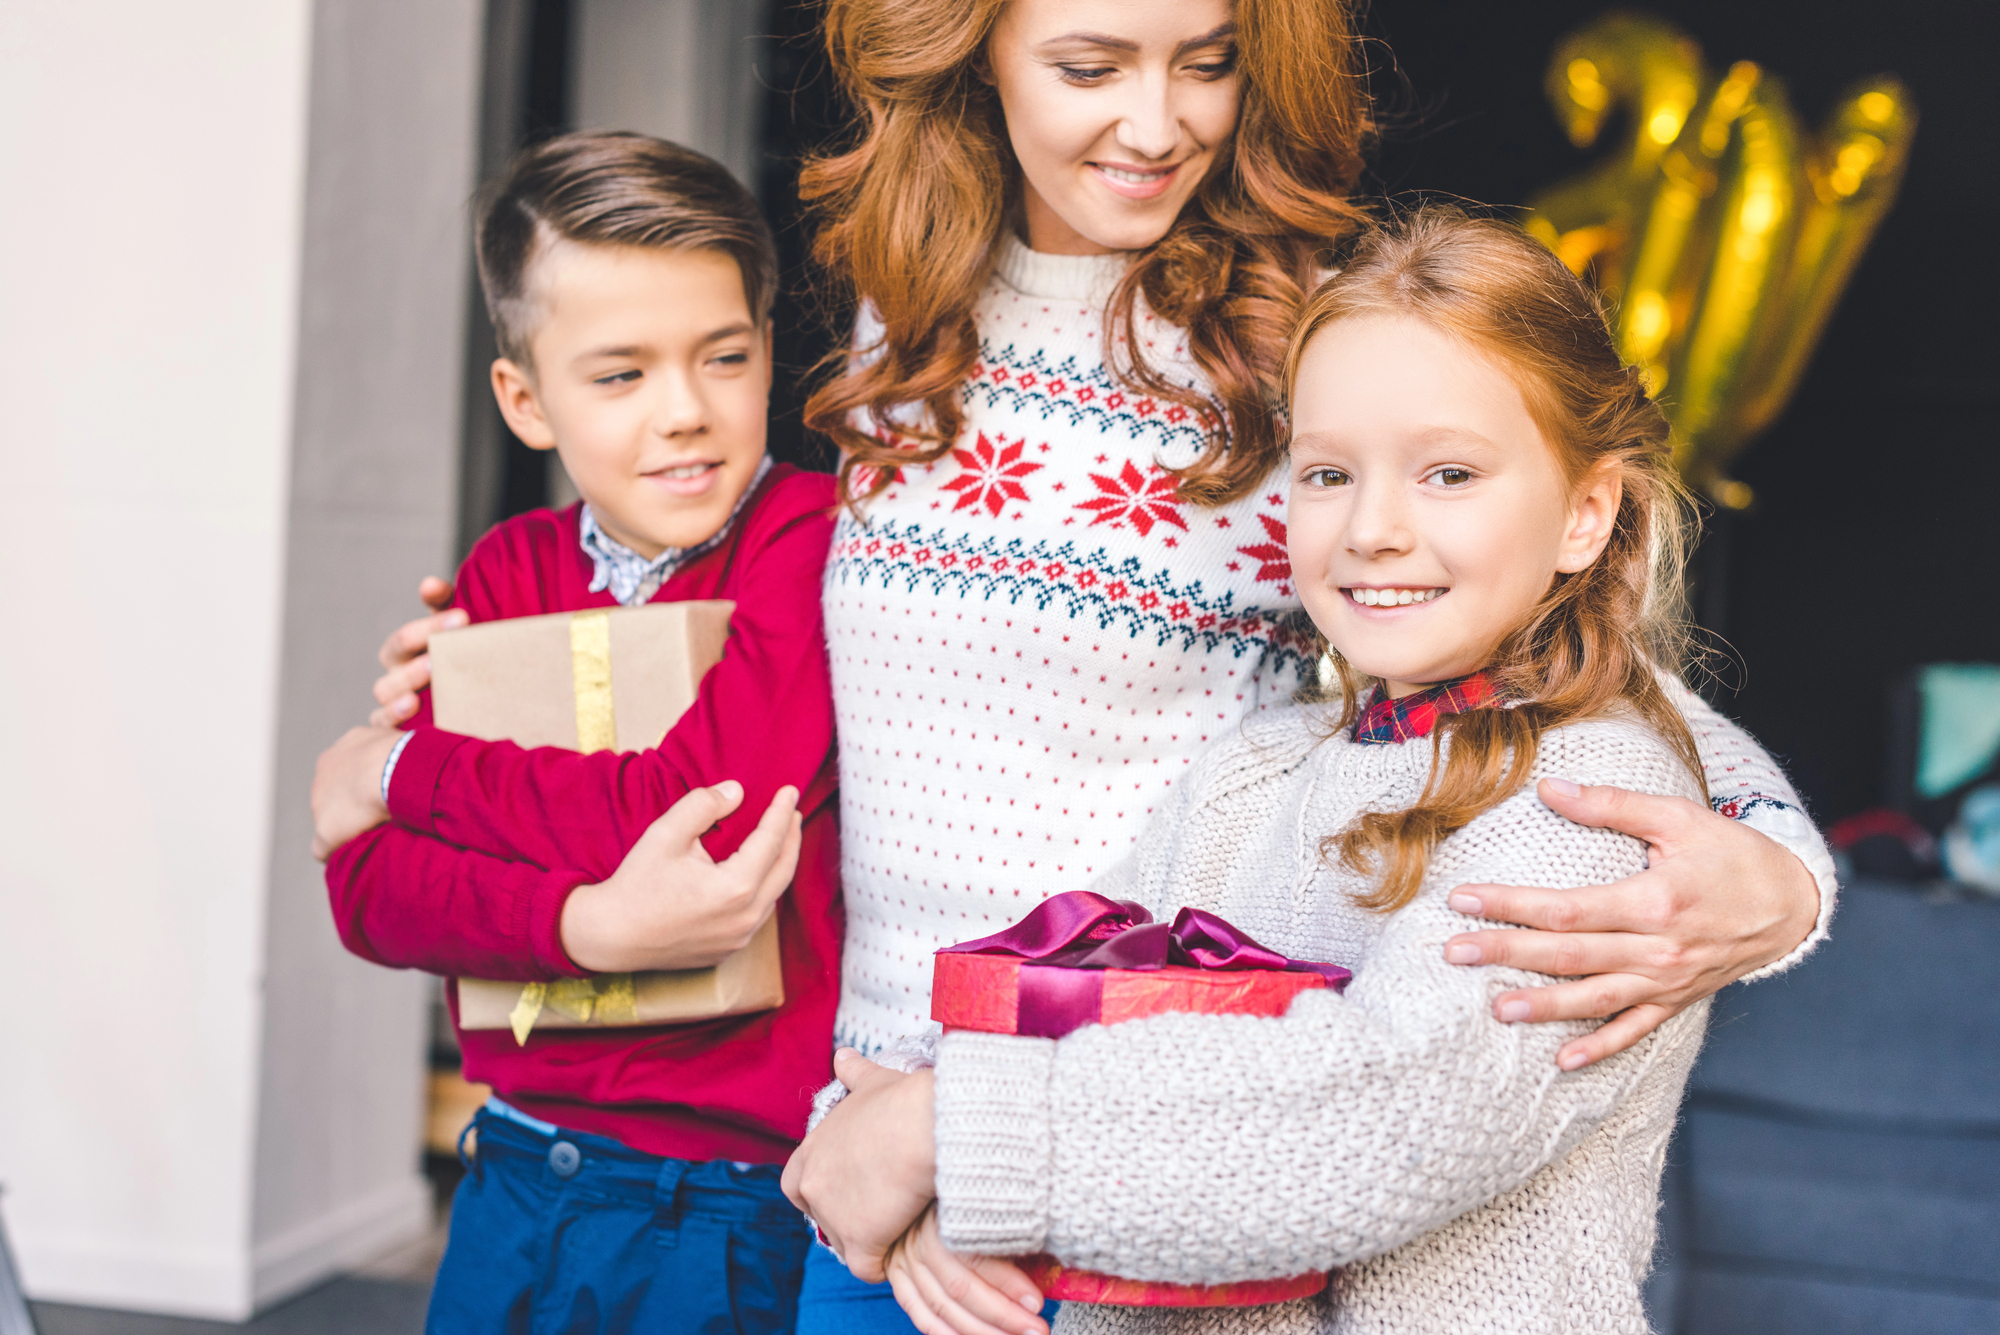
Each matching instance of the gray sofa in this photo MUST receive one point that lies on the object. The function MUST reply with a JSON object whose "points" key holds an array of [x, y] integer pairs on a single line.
{"points": [[1837, 1166]]}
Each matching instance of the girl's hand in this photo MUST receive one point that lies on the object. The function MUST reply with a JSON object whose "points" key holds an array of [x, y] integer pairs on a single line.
{"points": [[1716, 901], [946, 1294], [405, 660], [869, 1170]]}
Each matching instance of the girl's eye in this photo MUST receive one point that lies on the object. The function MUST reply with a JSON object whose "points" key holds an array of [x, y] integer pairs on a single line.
{"points": [[1452, 477], [616, 378], [1085, 75], [1326, 477]]}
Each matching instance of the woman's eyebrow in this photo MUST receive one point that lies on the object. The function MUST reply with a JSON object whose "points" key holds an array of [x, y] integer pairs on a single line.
{"points": [[1220, 33]]}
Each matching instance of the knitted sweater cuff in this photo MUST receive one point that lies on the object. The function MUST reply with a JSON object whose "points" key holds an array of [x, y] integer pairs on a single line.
{"points": [[1795, 830], [994, 1146]]}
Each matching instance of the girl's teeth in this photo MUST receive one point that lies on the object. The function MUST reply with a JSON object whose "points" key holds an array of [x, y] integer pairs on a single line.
{"points": [[1392, 597], [1131, 178]]}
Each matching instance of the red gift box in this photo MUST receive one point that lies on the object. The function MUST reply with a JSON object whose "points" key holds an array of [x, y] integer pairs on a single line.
{"points": [[1080, 959]]}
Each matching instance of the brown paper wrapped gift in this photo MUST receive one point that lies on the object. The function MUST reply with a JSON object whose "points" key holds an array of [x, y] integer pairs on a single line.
{"points": [[610, 679]]}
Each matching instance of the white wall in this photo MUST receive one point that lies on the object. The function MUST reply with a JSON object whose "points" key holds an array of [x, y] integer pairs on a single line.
{"points": [[156, 1151]]}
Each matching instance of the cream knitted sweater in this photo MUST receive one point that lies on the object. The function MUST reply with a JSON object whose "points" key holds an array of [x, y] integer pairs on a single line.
{"points": [[1032, 639], [1457, 1178]]}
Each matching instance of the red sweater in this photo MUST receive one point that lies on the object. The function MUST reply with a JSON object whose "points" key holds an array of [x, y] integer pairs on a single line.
{"points": [[488, 840]]}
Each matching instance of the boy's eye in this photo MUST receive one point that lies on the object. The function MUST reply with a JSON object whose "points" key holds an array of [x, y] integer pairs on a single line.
{"points": [[616, 378], [733, 358], [1326, 477], [1452, 477]]}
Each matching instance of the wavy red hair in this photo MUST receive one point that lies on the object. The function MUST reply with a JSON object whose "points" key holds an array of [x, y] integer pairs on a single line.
{"points": [[909, 219]]}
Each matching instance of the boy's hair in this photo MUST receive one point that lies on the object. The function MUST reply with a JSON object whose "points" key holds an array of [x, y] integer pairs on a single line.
{"points": [[1595, 641], [612, 188]]}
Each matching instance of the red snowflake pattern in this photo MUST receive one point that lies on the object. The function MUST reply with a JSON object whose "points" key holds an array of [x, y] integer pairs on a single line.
{"points": [[989, 476], [1274, 562], [1135, 498]]}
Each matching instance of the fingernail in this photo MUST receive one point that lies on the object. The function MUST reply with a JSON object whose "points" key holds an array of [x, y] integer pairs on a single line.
{"points": [[1513, 1012], [1032, 1304], [1470, 905], [729, 788], [1463, 952], [1569, 1061], [456, 616], [1564, 786]]}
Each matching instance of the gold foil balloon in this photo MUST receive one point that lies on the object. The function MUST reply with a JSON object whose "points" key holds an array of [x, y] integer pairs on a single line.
{"points": [[1720, 234]]}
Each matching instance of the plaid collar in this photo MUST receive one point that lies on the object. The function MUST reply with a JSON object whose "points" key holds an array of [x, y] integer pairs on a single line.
{"points": [[1413, 716], [633, 579]]}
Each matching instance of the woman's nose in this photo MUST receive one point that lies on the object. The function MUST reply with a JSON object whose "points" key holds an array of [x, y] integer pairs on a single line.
{"points": [[1151, 126]]}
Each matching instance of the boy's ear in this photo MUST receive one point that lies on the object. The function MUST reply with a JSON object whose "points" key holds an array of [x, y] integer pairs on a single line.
{"points": [[770, 354], [1591, 518], [515, 393]]}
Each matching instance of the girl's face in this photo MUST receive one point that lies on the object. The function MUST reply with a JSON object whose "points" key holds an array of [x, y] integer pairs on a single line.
{"points": [[1116, 110], [1428, 513]]}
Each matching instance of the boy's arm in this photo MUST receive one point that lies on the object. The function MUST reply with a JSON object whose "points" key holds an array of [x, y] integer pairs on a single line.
{"points": [[413, 902], [763, 717]]}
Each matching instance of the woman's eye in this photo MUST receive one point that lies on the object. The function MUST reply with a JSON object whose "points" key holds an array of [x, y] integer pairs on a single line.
{"points": [[1085, 75], [1452, 477], [616, 378], [1220, 67], [1326, 477]]}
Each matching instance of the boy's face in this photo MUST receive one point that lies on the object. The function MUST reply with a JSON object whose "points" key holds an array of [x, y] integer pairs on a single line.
{"points": [[652, 381]]}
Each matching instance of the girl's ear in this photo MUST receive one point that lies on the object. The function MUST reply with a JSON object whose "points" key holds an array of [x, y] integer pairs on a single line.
{"points": [[1591, 517], [514, 389]]}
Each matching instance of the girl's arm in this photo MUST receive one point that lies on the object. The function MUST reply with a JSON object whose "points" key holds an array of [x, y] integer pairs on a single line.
{"points": [[1741, 891], [1202, 1149]]}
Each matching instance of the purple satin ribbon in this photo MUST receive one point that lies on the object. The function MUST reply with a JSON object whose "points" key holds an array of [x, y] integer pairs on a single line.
{"points": [[1069, 936]]}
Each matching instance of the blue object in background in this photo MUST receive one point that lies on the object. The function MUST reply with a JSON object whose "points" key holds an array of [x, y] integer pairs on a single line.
{"points": [[1837, 1168], [1972, 843], [1961, 725]]}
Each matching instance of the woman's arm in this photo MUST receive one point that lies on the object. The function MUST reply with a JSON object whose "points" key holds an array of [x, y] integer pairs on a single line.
{"points": [[1740, 891]]}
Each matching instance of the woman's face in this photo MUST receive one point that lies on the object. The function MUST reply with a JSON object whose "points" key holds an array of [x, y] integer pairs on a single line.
{"points": [[1116, 110], [1428, 514]]}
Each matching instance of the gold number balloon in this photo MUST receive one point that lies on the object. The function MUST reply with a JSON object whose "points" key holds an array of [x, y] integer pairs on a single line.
{"points": [[1720, 234]]}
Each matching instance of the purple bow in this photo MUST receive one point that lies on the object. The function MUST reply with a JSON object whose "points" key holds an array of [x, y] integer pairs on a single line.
{"points": [[1078, 931]]}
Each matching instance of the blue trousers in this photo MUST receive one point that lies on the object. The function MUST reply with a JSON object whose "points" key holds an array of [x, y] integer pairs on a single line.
{"points": [[573, 1234]]}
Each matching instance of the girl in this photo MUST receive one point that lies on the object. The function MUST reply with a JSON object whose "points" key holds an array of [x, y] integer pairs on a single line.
{"points": [[1487, 531]]}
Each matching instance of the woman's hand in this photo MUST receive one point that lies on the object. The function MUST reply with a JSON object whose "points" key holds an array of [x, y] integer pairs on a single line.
{"points": [[670, 905], [946, 1294], [869, 1170], [1716, 901], [405, 657], [347, 788]]}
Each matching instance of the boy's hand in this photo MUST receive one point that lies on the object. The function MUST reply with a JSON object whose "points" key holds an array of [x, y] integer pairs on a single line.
{"points": [[404, 656], [946, 1294], [347, 787], [671, 906]]}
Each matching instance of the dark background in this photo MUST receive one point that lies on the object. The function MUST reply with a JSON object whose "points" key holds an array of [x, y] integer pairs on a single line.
{"points": [[1874, 545]]}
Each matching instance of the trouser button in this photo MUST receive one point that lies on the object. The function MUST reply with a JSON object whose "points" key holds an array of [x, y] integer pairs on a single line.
{"points": [[565, 1158]]}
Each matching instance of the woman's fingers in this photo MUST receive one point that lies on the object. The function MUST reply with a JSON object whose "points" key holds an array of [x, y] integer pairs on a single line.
{"points": [[1645, 902], [1613, 1038], [1594, 998], [1569, 954], [1662, 821]]}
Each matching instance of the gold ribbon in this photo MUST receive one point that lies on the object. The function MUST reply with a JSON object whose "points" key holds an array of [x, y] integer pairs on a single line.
{"points": [[590, 668], [608, 998]]}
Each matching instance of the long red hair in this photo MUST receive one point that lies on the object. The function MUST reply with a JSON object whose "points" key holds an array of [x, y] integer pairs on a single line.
{"points": [[910, 216], [1595, 642]]}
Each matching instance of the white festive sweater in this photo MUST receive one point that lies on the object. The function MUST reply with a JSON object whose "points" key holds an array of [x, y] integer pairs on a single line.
{"points": [[1032, 639], [1460, 1181]]}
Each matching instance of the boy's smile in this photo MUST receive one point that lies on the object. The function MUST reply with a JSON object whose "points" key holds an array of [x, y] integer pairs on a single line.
{"points": [[1428, 513], [651, 381]]}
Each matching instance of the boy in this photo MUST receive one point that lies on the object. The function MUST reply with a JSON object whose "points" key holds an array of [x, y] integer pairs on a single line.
{"points": [[625, 1177]]}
